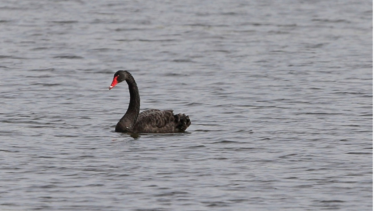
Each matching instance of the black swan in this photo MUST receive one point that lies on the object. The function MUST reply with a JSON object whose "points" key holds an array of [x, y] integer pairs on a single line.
{"points": [[149, 121]]}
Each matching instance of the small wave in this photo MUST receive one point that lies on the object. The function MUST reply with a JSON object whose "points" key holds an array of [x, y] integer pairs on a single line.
{"points": [[10, 57], [68, 57]]}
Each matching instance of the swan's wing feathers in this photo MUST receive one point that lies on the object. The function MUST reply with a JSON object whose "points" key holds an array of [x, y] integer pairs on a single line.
{"points": [[155, 117], [182, 122], [157, 121], [154, 120]]}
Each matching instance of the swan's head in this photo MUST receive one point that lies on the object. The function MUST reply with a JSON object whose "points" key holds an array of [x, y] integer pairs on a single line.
{"points": [[119, 77]]}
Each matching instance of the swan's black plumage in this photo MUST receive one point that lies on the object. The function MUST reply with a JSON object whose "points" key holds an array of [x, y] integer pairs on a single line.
{"points": [[149, 121]]}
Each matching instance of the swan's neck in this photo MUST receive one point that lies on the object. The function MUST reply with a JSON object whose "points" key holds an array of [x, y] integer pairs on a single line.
{"points": [[128, 120]]}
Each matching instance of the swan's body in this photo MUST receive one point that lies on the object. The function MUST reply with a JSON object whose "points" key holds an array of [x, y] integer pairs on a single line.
{"points": [[149, 121]]}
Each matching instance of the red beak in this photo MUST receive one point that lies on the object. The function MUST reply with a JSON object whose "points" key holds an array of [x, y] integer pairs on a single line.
{"points": [[114, 82]]}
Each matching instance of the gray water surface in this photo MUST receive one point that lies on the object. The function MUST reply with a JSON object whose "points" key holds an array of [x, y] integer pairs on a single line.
{"points": [[279, 94]]}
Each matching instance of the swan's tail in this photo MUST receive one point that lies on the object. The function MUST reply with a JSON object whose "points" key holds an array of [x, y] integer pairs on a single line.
{"points": [[182, 121]]}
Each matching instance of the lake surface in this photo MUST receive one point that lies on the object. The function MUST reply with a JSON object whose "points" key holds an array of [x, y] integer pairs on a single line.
{"points": [[279, 95]]}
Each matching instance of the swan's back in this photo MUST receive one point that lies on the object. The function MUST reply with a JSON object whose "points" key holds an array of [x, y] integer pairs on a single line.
{"points": [[157, 121]]}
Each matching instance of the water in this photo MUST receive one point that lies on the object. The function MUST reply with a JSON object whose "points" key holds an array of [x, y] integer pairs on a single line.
{"points": [[279, 95]]}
